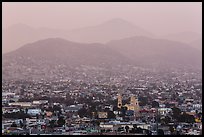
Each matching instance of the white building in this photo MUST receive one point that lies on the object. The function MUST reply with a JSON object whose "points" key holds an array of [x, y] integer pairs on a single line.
{"points": [[113, 125], [22, 104], [164, 111], [34, 112]]}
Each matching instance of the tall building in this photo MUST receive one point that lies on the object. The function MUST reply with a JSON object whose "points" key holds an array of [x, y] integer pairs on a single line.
{"points": [[132, 100], [134, 104], [119, 100], [137, 108]]}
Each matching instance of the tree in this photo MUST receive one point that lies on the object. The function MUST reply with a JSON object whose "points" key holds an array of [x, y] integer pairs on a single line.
{"points": [[43, 113], [102, 131], [160, 132], [26, 110], [134, 130], [14, 124], [134, 125], [111, 115], [147, 132], [82, 112], [176, 113], [24, 123], [171, 129], [187, 118], [52, 124], [127, 128], [167, 119], [155, 104], [16, 115], [56, 108], [61, 121], [21, 124], [199, 115], [96, 123]]}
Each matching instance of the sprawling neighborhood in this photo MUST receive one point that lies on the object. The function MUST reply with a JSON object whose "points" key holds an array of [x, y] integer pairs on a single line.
{"points": [[148, 104]]}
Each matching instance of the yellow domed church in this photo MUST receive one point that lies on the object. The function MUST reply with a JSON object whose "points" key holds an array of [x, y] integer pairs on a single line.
{"points": [[134, 104]]}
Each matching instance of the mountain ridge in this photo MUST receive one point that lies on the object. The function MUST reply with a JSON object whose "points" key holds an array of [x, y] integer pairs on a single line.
{"points": [[112, 29], [50, 57]]}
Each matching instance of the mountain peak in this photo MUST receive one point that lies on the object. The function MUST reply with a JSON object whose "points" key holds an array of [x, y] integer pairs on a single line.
{"points": [[118, 21]]}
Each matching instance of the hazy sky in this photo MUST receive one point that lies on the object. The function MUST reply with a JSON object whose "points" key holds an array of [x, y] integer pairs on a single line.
{"points": [[159, 18]]}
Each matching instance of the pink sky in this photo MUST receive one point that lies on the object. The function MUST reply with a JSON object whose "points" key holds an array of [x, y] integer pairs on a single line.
{"points": [[159, 18]]}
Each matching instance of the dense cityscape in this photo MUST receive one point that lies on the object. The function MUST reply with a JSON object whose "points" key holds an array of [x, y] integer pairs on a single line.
{"points": [[141, 101], [109, 68]]}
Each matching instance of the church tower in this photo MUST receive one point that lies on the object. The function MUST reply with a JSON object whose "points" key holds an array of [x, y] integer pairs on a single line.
{"points": [[134, 103], [119, 100], [137, 107], [132, 100]]}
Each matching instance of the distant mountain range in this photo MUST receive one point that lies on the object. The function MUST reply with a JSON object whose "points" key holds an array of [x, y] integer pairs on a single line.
{"points": [[144, 50], [185, 37], [111, 44], [192, 38], [44, 56], [56, 57], [59, 50], [20, 34], [111, 30], [196, 44]]}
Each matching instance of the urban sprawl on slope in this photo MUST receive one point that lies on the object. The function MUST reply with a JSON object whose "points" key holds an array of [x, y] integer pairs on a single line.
{"points": [[136, 101]]}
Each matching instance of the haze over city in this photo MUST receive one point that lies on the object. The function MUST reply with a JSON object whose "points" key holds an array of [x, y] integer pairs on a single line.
{"points": [[97, 68], [174, 19]]}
